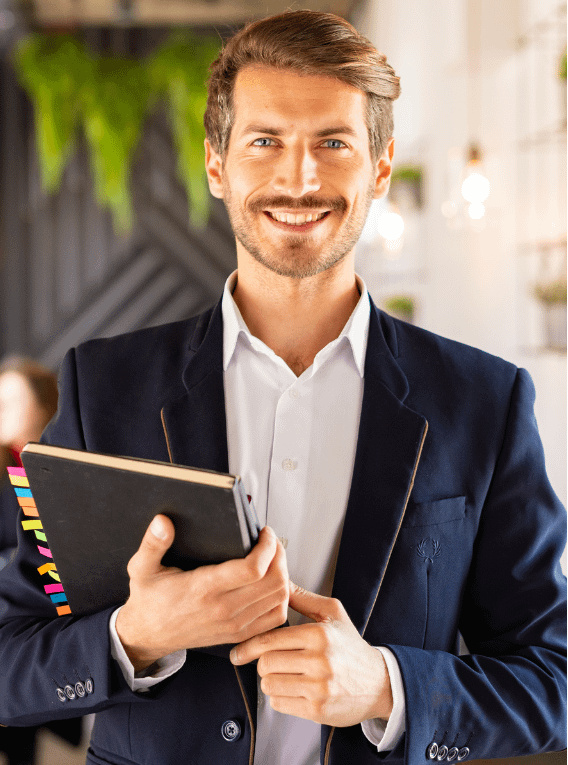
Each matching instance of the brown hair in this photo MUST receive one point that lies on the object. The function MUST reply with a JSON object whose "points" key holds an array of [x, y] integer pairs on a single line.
{"points": [[311, 43]]}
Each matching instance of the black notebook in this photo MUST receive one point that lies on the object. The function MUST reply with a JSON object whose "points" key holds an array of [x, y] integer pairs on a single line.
{"points": [[90, 511]]}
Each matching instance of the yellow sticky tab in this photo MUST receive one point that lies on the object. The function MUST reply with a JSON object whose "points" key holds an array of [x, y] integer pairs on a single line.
{"points": [[32, 525], [55, 576], [46, 567], [19, 480]]}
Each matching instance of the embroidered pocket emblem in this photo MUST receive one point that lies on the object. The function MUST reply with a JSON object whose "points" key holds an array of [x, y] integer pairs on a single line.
{"points": [[429, 549]]}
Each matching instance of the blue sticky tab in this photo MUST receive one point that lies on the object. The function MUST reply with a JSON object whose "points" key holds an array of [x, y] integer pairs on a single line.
{"points": [[22, 492], [59, 597]]}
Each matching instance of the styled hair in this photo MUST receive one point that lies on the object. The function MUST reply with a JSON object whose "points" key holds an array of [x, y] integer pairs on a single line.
{"points": [[310, 43]]}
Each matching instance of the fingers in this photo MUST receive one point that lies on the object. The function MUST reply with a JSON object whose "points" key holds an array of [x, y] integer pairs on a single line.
{"points": [[159, 536], [245, 571]]}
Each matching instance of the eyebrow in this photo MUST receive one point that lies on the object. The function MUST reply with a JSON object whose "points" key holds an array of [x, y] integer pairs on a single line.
{"points": [[339, 129]]}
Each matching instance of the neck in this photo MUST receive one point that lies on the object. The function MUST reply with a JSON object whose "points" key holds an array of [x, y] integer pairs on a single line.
{"points": [[296, 318]]}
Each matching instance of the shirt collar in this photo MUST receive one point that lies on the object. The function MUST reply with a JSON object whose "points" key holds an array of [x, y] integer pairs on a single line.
{"points": [[356, 330]]}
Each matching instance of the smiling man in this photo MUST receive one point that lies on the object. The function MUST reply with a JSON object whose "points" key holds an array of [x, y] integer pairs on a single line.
{"points": [[399, 477]]}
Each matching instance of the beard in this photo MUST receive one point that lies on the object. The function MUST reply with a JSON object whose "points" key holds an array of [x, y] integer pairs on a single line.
{"points": [[300, 256]]}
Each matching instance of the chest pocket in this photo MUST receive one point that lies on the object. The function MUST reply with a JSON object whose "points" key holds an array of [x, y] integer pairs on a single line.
{"points": [[438, 511]]}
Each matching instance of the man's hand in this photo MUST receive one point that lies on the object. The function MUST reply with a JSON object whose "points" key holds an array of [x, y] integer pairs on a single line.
{"points": [[169, 609], [323, 671]]}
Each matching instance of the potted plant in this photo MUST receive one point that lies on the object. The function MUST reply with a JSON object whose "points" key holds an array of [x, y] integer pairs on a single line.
{"points": [[406, 189], [401, 307], [552, 296]]}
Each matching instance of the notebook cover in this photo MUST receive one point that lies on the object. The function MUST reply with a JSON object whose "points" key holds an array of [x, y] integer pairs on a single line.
{"points": [[94, 518]]}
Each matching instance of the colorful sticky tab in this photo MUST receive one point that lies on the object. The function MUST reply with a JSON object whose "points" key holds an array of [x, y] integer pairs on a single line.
{"points": [[40, 535], [53, 588], [19, 480], [62, 610], [59, 598], [26, 502], [27, 525], [46, 567], [22, 492], [17, 471], [55, 576], [45, 551], [30, 511]]}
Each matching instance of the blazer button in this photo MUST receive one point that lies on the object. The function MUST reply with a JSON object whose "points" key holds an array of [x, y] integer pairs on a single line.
{"points": [[89, 685], [432, 751], [80, 689], [452, 754], [231, 730], [70, 692], [463, 753], [442, 752], [61, 695]]}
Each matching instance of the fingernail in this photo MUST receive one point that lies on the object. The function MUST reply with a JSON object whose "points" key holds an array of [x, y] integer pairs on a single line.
{"points": [[158, 529], [234, 656]]}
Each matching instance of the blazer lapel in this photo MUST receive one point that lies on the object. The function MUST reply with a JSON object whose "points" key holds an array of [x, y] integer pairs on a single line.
{"points": [[195, 422], [388, 450]]}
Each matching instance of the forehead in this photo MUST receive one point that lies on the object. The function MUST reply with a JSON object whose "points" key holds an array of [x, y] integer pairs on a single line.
{"points": [[287, 97]]}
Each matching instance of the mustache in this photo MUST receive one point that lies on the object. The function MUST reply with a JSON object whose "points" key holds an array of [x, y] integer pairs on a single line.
{"points": [[305, 203]]}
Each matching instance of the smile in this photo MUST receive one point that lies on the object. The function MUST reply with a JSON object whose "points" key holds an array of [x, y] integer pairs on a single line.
{"points": [[300, 221]]}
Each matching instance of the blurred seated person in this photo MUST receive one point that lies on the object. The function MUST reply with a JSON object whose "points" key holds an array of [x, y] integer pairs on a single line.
{"points": [[28, 400]]}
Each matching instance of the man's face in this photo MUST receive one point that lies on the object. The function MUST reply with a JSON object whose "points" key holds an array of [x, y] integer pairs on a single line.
{"points": [[299, 147]]}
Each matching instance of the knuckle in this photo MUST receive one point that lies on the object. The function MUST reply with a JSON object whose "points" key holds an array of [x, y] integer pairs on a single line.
{"points": [[336, 606]]}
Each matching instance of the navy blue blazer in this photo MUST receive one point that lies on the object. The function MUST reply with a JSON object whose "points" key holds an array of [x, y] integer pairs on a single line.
{"points": [[451, 526]]}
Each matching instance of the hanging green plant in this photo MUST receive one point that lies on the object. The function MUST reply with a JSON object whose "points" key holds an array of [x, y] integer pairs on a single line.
{"points": [[178, 72], [109, 98], [114, 102], [52, 70]]}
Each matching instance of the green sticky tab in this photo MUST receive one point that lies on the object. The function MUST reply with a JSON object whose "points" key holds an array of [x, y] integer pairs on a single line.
{"points": [[41, 535]]}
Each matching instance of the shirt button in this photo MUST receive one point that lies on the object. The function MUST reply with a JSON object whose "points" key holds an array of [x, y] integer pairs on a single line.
{"points": [[294, 393], [288, 465], [231, 730]]}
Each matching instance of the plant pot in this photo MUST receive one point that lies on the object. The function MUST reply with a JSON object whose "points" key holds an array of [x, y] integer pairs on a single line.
{"points": [[555, 326]]}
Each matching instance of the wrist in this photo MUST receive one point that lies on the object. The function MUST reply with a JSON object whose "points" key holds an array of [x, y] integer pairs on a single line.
{"points": [[140, 656], [383, 706]]}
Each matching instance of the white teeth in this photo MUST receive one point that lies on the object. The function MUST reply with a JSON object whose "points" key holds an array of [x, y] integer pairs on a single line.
{"points": [[296, 220]]}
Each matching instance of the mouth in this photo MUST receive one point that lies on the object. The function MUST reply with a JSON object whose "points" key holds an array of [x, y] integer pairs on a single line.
{"points": [[296, 221]]}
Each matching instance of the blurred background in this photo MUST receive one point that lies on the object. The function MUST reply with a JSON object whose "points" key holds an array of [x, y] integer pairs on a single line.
{"points": [[106, 224]]}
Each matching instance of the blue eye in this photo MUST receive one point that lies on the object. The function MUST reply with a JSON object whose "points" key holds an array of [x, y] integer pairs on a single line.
{"points": [[336, 141], [255, 143]]}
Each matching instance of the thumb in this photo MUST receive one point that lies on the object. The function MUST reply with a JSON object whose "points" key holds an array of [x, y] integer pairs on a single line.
{"points": [[316, 607], [157, 539]]}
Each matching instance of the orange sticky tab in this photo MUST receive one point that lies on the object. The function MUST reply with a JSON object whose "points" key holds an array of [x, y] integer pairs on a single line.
{"points": [[19, 480], [61, 610], [46, 567], [30, 511], [26, 502]]}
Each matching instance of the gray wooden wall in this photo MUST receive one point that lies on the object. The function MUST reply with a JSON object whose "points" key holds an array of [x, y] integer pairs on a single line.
{"points": [[65, 275]]}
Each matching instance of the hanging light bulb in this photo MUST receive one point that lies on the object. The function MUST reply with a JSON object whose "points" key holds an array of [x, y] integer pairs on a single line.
{"points": [[475, 186]]}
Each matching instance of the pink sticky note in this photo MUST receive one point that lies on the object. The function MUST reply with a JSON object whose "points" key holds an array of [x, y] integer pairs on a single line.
{"points": [[53, 588], [45, 551], [17, 471]]}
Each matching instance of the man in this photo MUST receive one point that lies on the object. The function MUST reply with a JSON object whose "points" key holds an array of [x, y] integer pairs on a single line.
{"points": [[402, 474]]}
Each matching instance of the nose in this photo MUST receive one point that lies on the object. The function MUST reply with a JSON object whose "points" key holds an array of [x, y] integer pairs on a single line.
{"points": [[296, 173]]}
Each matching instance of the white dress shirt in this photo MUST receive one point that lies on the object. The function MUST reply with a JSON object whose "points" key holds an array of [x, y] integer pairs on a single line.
{"points": [[293, 440]]}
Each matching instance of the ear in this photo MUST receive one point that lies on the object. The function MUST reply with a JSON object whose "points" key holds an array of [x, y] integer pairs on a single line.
{"points": [[384, 170], [214, 168]]}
